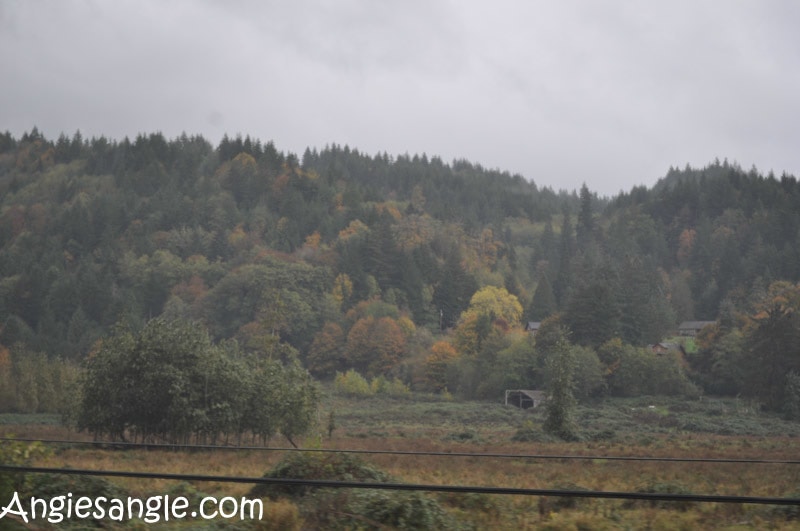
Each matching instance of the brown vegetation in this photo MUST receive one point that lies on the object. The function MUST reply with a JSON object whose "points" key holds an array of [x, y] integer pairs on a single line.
{"points": [[505, 512]]}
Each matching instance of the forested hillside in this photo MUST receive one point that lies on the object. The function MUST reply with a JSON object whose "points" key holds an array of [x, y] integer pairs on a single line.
{"points": [[399, 266]]}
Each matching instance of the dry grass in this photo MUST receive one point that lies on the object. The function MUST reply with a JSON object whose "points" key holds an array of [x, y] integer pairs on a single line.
{"points": [[405, 431], [505, 512]]}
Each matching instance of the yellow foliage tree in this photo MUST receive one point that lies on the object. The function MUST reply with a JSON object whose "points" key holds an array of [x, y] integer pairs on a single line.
{"points": [[355, 228], [442, 354], [491, 311], [342, 289], [407, 326], [313, 240], [237, 237], [497, 303]]}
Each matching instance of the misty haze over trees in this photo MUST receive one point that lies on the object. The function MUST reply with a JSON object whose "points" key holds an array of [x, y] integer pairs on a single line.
{"points": [[400, 267]]}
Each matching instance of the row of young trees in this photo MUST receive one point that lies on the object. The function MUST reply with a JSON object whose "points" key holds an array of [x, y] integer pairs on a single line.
{"points": [[30, 382]]}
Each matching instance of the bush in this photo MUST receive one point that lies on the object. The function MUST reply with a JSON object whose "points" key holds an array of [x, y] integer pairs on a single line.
{"points": [[397, 510], [352, 383], [49, 486], [640, 372], [395, 387], [351, 508], [314, 465], [20, 454]]}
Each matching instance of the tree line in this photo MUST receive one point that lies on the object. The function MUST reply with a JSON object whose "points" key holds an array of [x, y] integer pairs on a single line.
{"points": [[373, 262]]}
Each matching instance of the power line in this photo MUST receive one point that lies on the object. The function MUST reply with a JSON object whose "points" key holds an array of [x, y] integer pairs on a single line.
{"points": [[417, 453], [461, 489]]}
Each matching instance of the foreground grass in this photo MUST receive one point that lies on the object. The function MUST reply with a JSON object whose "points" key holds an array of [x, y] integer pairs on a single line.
{"points": [[641, 427]]}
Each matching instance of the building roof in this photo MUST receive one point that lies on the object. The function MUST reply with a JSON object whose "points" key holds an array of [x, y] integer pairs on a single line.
{"points": [[525, 398], [665, 346]]}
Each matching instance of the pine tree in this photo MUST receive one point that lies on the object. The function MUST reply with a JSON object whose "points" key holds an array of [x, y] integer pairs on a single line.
{"points": [[560, 369], [566, 253], [585, 227], [543, 303]]}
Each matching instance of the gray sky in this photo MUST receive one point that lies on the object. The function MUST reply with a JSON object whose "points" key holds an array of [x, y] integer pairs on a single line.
{"points": [[610, 92]]}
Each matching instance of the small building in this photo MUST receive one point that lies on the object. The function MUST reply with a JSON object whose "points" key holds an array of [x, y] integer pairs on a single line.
{"points": [[663, 348], [532, 327], [691, 328], [525, 399]]}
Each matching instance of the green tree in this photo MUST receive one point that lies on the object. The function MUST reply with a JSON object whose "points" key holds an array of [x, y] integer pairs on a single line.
{"points": [[169, 382], [543, 303], [454, 288], [585, 227], [592, 313], [588, 376], [720, 365], [566, 254], [297, 404], [560, 370], [771, 345], [791, 406], [645, 314]]}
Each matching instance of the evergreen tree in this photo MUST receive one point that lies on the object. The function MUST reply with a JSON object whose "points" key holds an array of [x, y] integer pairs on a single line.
{"points": [[561, 403], [543, 303], [454, 290], [566, 255], [585, 227]]}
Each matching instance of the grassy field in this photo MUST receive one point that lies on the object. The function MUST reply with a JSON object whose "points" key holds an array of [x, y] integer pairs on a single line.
{"points": [[710, 428]]}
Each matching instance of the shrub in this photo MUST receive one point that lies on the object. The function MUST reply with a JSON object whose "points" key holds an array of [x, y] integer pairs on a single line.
{"points": [[20, 454], [351, 508], [398, 510], [49, 486], [352, 383], [394, 387], [316, 466]]}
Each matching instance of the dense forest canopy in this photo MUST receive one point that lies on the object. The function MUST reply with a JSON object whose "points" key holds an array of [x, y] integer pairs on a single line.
{"points": [[370, 261]]}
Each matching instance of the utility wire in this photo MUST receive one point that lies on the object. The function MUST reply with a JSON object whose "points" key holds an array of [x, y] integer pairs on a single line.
{"points": [[415, 453], [415, 487]]}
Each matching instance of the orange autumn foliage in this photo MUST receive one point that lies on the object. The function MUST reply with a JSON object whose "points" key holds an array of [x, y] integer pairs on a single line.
{"points": [[375, 346]]}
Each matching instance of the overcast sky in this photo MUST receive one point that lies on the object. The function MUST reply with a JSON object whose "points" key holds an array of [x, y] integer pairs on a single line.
{"points": [[607, 92]]}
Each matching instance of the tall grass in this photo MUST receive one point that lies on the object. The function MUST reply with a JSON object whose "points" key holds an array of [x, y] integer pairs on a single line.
{"points": [[701, 429]]}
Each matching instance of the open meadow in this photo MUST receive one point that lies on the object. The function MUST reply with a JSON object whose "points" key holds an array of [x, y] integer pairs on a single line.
{"points": [[644, 427]]}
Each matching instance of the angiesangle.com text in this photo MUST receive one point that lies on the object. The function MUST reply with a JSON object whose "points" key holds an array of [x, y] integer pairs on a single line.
{"points": [[151, 510]]}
